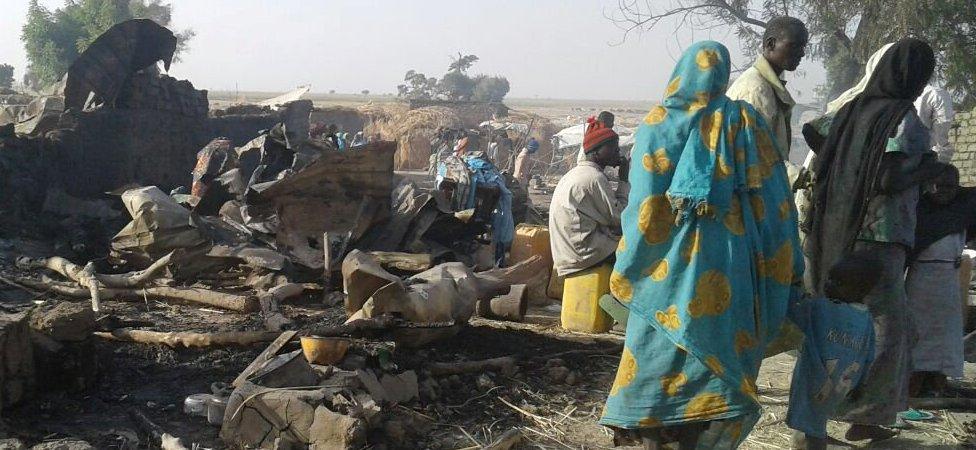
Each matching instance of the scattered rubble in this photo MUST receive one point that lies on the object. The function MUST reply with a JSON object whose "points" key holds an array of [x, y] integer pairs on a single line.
{"points": [[186, 279]]}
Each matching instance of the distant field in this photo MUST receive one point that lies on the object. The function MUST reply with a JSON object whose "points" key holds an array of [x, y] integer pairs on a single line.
{"points": [[561, 111]]}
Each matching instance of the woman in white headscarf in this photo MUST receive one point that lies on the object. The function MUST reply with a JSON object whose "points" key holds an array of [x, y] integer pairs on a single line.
{"points": [[815, 131]]}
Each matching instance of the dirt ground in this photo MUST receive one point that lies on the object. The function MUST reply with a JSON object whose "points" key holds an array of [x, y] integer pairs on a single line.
{"points": [[470, 411], [555, 398]]}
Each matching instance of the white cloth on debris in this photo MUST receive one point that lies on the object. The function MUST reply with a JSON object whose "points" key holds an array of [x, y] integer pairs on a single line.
{"points": [[584, 218], [935, 302], [934, 107]]}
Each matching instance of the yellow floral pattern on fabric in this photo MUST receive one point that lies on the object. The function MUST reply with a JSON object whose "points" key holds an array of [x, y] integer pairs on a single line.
{"points": [[749, 387], [758, 207], [620, 287], [753, 176], [735, 432], [706, 59], [625, 373], [706, 404], [649, 422], [669, 319], [655, 219], [768, 157], [714, 365], [622, 245], [711, 129], [671, 384], [693, 246], [784, 210], [744, 341], [748, 121], [701, 100], [672, 87], [658, 270], [713, 295], [657, 163], [733, 218], [780, 266], [722, 170], [656, 116]]}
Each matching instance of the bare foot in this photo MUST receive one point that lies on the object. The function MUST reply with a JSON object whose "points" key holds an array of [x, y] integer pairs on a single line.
{"points": [[873, 432]]}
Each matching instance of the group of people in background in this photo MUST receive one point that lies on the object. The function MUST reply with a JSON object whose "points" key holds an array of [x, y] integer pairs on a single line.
{"points": [[715, 268], [341, 140]]}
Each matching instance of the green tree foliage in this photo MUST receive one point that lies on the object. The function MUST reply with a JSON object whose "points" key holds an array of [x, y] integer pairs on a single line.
{"points": [[54, 39], [455, 85], [844, 32], [462, 63], [490, 89], [6, 76], [417, 86]]}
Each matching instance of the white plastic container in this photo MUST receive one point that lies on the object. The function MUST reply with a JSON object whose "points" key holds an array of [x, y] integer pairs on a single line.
{"points": [[196, 404]]}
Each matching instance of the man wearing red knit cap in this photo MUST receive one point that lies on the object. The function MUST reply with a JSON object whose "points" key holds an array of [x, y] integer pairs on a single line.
{"points": [[584, 217]]}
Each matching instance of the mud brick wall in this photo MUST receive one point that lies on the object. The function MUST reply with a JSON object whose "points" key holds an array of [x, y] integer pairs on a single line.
{"points": [[963, 138], [145, 90], [110, 148]]}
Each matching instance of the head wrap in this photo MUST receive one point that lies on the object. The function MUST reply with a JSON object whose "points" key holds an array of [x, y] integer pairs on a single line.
{"points": [[596, 134], [848, 95], [532, 145]]}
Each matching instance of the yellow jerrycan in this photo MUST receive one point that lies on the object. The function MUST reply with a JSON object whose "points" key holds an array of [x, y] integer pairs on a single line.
{"points": [[581, 300]]}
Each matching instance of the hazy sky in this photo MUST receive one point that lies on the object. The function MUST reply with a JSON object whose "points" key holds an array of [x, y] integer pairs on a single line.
{"points": [[546, 48]]}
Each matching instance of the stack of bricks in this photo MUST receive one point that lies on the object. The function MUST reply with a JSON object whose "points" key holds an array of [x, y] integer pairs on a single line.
{"points": [[146, 90], [963, 139]]}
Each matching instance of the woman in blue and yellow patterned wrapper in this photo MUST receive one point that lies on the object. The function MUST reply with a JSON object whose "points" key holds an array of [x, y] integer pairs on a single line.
{"points": [[707, 265]]}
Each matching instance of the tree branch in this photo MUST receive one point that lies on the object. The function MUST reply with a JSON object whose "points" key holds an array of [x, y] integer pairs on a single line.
{"points": [[739, 14], [633, 16]]}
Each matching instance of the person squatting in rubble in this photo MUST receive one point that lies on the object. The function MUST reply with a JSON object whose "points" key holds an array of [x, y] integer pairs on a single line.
{"points": [[866, 187], [707, 264], [584, 216], [523, 163], [945, 213]]}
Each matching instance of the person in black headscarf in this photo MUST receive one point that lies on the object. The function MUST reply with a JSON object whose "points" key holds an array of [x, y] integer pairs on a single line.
{"points": [[866, 188]]}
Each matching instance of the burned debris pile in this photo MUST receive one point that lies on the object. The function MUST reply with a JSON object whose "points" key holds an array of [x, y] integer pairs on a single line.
{"points": [[138, 198]]}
